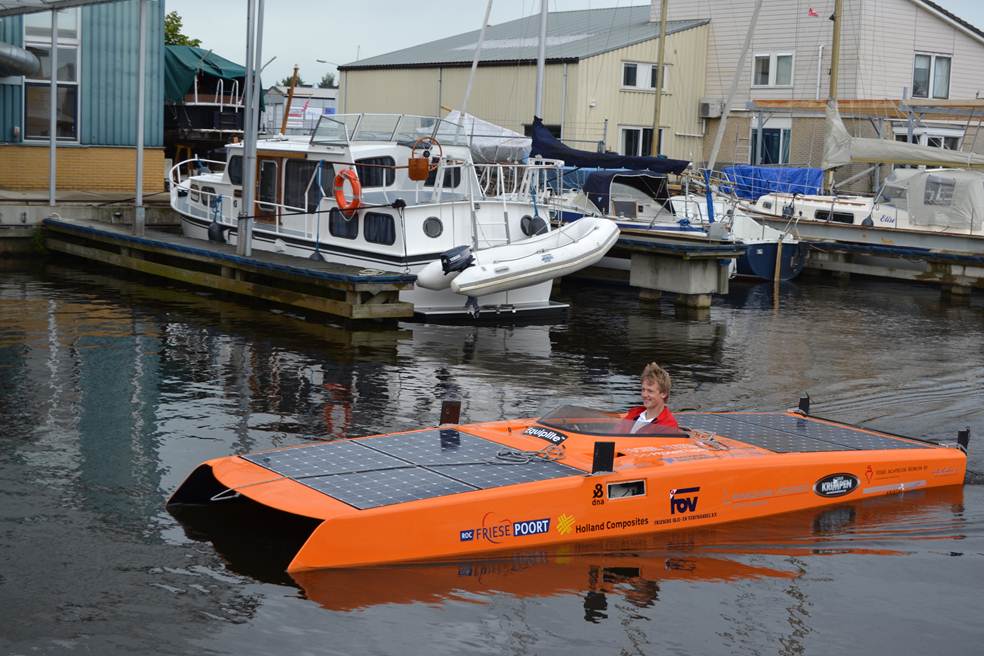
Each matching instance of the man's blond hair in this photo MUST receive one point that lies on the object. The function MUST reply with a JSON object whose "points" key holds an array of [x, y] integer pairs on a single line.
{"points": [[655, 373]]}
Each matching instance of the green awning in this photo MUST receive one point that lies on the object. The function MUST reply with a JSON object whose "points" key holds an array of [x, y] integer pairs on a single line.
{"points": [[181, 63]]}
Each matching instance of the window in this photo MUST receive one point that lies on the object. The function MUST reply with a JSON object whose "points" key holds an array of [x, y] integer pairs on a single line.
{"points": [[629, 74], [301, 176], [452, 178], [342, 227], [380, 228], [939, 190], [37, 91], [772, 70], [776, 137], [931, 73], [948, 138], [638, 141], [637, 75], [376, 171], [268, 183]]}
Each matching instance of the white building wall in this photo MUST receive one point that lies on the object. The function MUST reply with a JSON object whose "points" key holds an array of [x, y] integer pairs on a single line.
{"points": [[895, 31], [879, 39]]}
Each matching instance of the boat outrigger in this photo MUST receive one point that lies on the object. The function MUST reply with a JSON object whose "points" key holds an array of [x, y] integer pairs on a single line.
{"points": [[465, 491]]}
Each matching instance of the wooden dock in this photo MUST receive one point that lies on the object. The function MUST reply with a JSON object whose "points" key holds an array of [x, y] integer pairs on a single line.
{"points": [[338, 290]]}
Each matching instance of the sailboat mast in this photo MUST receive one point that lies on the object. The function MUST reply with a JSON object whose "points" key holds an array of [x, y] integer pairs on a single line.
{"points": [[541, 60], [656, 146], [719, 135], [478, 55], [834, 66]]}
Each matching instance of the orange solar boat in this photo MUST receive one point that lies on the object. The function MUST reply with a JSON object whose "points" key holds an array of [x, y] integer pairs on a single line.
{"points": [[465, 491]]}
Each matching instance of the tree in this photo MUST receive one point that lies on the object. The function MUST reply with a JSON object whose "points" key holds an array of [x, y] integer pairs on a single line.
{"points": [[172, 32], [327, 82], [286, 82]]}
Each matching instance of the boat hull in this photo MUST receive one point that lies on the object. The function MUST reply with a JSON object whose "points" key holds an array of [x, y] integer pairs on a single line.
{"points": [[657, 484], [533, 300], [759, 260]]}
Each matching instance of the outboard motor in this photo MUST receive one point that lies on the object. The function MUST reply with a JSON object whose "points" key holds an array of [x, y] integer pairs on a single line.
{"points": [[457, 259], [438, 274]]}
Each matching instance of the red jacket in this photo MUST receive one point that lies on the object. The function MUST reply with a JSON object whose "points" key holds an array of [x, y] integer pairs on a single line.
{"points": [[665, 418]]}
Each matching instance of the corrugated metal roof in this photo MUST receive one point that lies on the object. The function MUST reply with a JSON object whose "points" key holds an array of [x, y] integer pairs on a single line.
{"points": [[571, 35]]}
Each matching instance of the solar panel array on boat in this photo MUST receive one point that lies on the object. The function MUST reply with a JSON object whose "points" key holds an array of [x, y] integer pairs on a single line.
{"points": [[380, 471], [784, 433]]}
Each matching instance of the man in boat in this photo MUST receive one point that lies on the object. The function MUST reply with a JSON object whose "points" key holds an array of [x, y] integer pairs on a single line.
{"points": [[655, 392]]}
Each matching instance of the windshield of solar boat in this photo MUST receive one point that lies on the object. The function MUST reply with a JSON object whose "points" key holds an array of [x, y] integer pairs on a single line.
{"points": [[575, 419]]}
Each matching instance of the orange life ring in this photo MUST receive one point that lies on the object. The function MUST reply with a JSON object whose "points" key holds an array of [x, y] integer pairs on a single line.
{"points": [[348, 207]]}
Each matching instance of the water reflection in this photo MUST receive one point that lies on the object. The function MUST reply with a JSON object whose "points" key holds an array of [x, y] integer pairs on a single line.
{"points": [[632, 568]]}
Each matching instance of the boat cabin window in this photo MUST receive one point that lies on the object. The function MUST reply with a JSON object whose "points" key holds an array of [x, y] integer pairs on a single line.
{"points": [[452, 178], [269, 172], [235, 169], [341, 227], [379, 228], [838, 217], [895, 196], [301, 176], [376, 171], [575, 419], [939, 190]]}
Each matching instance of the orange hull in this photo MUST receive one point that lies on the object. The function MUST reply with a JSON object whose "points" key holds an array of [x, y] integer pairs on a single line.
{"points": [[447, 494]]}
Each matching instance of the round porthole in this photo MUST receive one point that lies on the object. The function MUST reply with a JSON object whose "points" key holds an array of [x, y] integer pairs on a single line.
{"points": [[433, 227], [532, 225]]}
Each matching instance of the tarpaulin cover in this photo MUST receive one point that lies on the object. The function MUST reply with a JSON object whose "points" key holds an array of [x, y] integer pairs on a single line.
{"points": [[181, 63], [549, 146], [490, 143], [840, 148], [751, 182]]}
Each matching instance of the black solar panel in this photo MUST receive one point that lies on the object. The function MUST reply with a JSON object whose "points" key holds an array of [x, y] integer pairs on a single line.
{"points": [[379, 471], [787, 434]]}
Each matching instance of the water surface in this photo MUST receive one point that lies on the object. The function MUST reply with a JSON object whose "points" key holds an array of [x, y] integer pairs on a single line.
{"points": [[111, 392]]}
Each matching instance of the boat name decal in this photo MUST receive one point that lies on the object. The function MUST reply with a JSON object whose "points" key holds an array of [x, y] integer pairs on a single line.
{"points": [[836, 485], [545, 434], [683, 504], [495, 531]]}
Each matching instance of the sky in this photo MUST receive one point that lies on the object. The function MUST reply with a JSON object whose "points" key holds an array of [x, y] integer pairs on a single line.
{"points": [[303, 31]]}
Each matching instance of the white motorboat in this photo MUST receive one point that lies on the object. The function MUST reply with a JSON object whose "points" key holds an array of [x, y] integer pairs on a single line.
{"points": [[354, 193]]}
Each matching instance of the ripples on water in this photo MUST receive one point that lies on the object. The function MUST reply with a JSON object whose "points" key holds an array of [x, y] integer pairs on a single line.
{"points": [[113, 391]]}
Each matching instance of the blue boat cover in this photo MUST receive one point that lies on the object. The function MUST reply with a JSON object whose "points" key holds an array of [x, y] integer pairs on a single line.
{"points": [[753, 181], [547, 145]]}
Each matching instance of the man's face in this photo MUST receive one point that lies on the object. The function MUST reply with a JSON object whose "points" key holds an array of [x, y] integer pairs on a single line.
{"points": [[652, 397]]}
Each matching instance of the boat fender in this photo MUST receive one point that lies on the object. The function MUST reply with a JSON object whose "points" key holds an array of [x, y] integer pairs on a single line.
{"points": [[532, 225], [215, 232], [438, 274]]}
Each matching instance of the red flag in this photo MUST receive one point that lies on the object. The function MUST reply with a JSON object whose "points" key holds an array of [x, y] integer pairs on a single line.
{"points": [[812, 12]]}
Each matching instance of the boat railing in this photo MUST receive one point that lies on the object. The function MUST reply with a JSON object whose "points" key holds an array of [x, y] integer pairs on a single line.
{"points": [[537, 178]]}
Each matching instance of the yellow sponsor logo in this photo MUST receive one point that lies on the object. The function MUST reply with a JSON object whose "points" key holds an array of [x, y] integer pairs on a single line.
{"points": [[565, 523]]}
